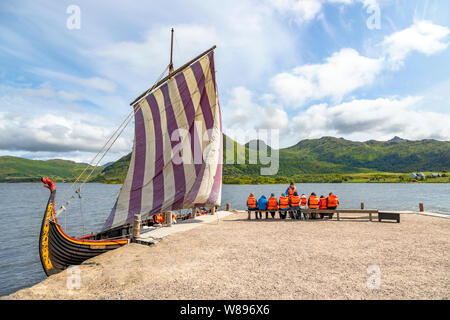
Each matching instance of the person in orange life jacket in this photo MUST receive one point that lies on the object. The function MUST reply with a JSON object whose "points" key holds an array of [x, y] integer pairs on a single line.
{"points": [[294, 204], [272, 205], [157, 218], [283, 206], [252, 203], [303, 206], [313, 203], [290, 190], [322, 205], [332, 203]]}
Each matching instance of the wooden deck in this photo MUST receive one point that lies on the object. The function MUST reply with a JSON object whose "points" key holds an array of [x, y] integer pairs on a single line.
{"points": [[152, 235]]}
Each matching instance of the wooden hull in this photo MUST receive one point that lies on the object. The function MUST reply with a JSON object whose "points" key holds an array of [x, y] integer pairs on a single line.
{"points": [[58, 250]]}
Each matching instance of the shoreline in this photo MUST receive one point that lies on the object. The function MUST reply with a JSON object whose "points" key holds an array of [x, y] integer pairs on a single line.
{"points": [[276, 259], [241, 184]]}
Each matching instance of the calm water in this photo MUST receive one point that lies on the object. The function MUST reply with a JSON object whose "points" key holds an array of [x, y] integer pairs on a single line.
{"points": [[22, 208]]}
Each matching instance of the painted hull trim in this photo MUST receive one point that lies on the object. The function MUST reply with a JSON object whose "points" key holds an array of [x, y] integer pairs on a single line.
{"points": [[57, 250]]}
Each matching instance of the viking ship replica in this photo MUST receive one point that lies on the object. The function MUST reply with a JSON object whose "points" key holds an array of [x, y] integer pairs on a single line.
{"points": [[175, 163]]}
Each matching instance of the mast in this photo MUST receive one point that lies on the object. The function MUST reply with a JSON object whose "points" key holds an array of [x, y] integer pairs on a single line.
{"points": [[171, 54], [187, 64]]}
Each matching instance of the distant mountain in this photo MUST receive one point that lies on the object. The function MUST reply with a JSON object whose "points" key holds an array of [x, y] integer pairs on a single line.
{"points": [[327, 155], [15, 169], [395, 155], [257, 145], [115, 172], [107, 164]]}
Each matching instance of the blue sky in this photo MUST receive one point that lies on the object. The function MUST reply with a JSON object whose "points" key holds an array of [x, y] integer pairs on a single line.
{"points": [[309, 68]]}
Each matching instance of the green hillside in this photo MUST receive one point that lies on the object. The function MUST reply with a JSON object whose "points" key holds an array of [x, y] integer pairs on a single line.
{"points": [[329, 160], [15, 169], [396, 155], [114, 173]]}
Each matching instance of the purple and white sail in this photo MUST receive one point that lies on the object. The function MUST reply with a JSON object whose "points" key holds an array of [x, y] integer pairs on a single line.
{"points": [[176, 161]]}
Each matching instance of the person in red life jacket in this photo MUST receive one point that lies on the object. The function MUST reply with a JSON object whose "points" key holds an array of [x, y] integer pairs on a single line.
{"points": [[291, 190], [332, 203], [294, 204], [272, 205], [313, 203], [322, 205], [252, 203], [283, 206], [157, 218], [303, 206]]}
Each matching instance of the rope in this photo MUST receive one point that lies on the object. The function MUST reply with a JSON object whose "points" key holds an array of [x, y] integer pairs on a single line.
{"points": [[90, 163], [116, 134], [81, 208]]}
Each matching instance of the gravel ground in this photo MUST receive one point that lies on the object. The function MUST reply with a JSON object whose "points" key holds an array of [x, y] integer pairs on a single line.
{"points": [[240, 259]]}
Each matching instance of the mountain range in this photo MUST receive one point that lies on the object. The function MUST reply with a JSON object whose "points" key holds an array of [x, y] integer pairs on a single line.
{"points": [[325, 156]]}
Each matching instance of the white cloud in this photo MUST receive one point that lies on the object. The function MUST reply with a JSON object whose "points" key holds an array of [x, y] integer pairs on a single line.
{"points": [[341, 74], [302, 10], [34, 120], [379, 119], [306, 10], [95, 83], [347, 70], [423, 36], [47, 92], [151, 55], [248, 37], [54, 133], [242, 111]]}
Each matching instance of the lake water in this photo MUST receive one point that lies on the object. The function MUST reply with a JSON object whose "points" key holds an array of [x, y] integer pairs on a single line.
{"points": [[23, 204]]}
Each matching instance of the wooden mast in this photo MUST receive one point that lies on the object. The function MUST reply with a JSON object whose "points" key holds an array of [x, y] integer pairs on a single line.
{"points": [[171, 54], [171, 75]]}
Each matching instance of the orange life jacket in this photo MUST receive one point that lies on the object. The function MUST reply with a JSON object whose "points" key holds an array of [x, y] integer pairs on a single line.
{"points": [[284, 202], [323, 204], [291, 191], [304, 201], [295, 201], [332, 201], [272, 204], [157, 218], [313, 202], [251, 202]]}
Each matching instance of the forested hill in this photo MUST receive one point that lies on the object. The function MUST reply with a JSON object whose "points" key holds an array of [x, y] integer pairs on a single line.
{"points": [[15, 169], [329, 155]]}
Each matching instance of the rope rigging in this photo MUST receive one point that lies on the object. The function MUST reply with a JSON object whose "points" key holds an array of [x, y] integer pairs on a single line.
{"points": [[108, 144]]}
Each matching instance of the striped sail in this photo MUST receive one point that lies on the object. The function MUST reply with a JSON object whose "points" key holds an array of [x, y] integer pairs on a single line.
{"points": [[177, 152]]}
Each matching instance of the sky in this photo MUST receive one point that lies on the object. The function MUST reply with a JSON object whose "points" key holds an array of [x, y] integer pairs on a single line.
{"points": [[357, 69]]}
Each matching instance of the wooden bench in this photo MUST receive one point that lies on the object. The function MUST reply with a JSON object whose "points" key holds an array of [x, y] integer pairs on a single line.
{"points": [[339, 212], [389, 216], [262, 211], [370, 213]]}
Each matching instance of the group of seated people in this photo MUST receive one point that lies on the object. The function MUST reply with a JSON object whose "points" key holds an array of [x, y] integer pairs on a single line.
{"points": [[291, 203]]}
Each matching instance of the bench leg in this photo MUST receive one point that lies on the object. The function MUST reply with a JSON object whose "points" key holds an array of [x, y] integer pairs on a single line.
{"points": [[249, 218], [370, 217], [338, 218]]}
